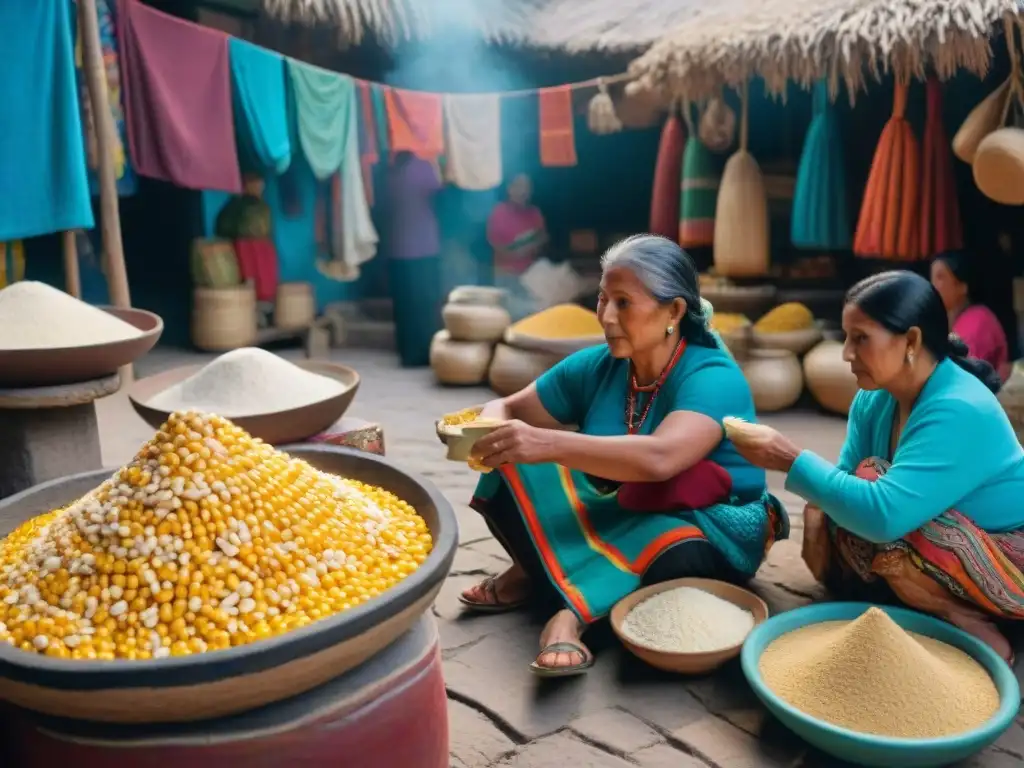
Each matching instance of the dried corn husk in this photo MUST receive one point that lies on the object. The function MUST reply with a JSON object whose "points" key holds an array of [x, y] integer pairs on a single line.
{"points": [[742, 247], [718, 125], [601, 117], [888, 225], [982, 120], [742, 432]]}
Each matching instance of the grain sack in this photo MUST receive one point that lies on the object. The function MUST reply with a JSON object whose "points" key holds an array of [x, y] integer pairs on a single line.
{"points": [[475, 322], [559, 330], [460, 363], [514, 369], [742, 247]]}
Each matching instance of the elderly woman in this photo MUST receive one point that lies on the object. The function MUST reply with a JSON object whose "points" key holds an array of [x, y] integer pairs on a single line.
{"points": [[925, 503], [975, 324], [647, 489]]}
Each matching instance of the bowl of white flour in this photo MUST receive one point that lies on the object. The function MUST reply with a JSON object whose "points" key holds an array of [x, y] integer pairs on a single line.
{"points": [[269, 397], [689, 626]]}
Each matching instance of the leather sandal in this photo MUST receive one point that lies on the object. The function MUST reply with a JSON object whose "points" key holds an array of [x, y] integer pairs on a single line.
{"points": [[492, 603], [569, 670]]}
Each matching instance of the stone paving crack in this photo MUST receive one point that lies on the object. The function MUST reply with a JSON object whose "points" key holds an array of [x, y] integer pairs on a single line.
{"points": [[672, 741], [450, 653], [496, 720], [794, 592], [598, 745]]}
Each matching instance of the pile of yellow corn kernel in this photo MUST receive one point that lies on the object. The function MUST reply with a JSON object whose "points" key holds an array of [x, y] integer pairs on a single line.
{"points": [[208, 539]]}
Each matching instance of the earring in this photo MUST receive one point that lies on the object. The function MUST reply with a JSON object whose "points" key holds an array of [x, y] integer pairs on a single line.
{"points": [[910, 358], [669, 330]]}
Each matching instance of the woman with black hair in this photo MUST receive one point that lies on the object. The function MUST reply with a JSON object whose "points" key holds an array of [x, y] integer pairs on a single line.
{"points": [[927, 499], [648, 489], [975, 324]]}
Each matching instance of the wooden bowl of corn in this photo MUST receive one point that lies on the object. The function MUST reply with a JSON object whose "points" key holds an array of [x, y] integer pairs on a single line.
{"points": [[327, 633]]}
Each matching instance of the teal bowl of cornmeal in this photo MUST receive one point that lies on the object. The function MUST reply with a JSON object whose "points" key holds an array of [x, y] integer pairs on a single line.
{"points": [[882, 751]]}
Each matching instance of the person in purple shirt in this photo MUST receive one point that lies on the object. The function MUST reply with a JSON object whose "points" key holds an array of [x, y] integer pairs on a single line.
{"points": [[414, 256]]}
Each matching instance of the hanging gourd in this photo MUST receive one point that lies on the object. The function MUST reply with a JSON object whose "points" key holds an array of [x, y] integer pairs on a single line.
{"points": [[821, 220], [940, 209], [717, 125], [888, 226], [700, 179], [999, 160], [742, 247], [986, 117]]}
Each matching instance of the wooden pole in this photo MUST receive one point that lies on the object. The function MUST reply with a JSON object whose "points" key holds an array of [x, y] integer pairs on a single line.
{"points": [[96, 85], [110, 217], [72, 279]]}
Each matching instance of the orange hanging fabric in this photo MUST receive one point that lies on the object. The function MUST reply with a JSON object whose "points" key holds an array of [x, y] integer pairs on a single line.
{"points": [[888, 226], [415, 123], [940, 210], [557, 132]]}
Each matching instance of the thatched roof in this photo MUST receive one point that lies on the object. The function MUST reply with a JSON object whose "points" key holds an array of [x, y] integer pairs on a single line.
{"points": [[729, 41], [614, 26]]}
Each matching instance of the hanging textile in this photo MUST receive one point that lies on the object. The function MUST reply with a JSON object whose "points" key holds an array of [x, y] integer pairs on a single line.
{"points": [[369, 150], [106, 20], [12, 262], [473, 149], [557, 129], [940, 210], [415, 123], [261, 117], [326, 115], [698, 198], [667, 176], [380, 118], [43, 185], [321, 115], [821, 220], [177, 97], [889, 226]]}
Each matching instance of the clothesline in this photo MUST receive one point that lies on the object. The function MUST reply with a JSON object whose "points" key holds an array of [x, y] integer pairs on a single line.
{"points": [[593, 82]]}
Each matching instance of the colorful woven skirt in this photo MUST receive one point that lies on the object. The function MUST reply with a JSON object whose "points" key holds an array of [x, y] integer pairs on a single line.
{"points": [[983, 569], [595, 552]]}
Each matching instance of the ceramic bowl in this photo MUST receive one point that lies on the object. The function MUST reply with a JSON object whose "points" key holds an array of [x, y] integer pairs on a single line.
{"points": [[865, 749], [219, 683], [687, 663], [22, 368], [274, 427]]}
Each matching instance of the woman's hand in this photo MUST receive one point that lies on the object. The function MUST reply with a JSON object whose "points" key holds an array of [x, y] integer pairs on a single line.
{"points": [[768, 449], [514, 442]]}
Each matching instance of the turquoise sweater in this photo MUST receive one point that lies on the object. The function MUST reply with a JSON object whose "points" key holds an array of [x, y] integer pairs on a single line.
{"points": [[957, 451]]}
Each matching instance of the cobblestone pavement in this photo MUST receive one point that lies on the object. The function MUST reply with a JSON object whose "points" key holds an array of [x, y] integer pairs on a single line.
{"points": [[622, 713]]}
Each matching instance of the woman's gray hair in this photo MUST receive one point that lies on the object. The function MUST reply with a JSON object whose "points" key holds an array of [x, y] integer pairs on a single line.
{"points": [[668, 273]]}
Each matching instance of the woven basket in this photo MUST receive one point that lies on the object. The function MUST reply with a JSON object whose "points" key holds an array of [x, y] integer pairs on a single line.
{"points": [[475, 322], [460, 363]]}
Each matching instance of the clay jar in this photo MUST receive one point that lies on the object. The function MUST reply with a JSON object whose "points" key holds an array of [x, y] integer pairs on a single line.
{"points": [[829, 377], [775, 378]]}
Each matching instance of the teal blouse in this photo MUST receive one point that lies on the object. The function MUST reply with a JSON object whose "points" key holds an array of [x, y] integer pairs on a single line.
{"points": [[589, 389], [957, 451]]}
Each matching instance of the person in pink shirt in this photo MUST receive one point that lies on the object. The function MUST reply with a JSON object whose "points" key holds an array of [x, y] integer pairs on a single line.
{"points": [[517, 233], [975, 324]]}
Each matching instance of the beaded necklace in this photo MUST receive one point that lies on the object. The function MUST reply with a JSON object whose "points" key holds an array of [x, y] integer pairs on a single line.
{"points": [[633, 389]]}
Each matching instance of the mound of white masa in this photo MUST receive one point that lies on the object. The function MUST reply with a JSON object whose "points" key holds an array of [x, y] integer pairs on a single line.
{"points": [[687, 620], [246, 382], [37, 316]]}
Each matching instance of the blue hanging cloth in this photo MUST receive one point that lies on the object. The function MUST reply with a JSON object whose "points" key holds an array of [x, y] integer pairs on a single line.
{"points": [[43, 185], [261, 114], [821, 220]]}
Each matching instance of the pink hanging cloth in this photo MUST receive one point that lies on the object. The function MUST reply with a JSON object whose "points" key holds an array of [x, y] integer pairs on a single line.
{"points": [[177, 98]]}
